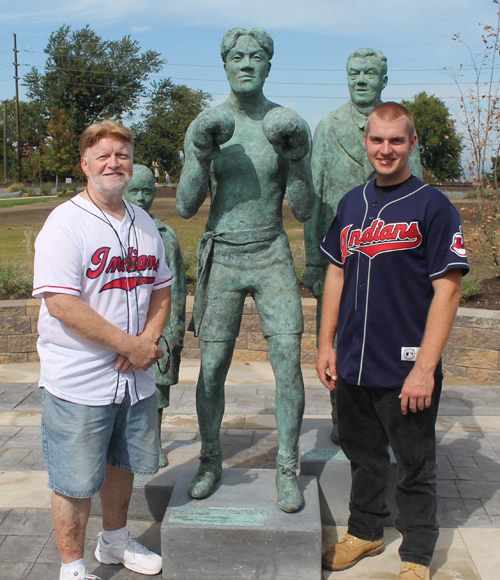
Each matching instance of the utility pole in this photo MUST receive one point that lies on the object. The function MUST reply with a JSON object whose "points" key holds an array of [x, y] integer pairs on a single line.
{"points": [[18, 126], [5, 156]]}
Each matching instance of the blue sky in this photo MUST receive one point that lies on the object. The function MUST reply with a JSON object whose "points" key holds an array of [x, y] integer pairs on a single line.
{"points": [[312, 41]]}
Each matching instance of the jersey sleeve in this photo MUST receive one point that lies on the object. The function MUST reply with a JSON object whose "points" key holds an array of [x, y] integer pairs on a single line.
{"points": [[58, 261], [330, 247], [445, 248]]}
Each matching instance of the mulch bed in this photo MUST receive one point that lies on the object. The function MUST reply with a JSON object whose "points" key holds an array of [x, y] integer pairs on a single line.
{"points": [[488, 298]]}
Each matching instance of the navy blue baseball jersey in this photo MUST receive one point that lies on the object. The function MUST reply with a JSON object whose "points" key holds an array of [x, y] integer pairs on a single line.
{"points": [[391, 248]]}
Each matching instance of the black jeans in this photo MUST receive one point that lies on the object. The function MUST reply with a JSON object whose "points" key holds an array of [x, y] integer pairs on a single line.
{"points": [[370, 419]]}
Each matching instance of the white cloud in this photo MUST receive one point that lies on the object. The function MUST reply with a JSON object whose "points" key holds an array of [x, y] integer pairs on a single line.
{"points": [[140, 28], [405, 18]]}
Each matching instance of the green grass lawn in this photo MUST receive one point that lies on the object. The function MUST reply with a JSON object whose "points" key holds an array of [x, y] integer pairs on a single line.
{"points": [[16, 241], [12, 202]]}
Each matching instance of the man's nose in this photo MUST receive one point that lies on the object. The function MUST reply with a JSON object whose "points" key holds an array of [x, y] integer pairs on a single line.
{"points": [[113, 161], [386, 147]]}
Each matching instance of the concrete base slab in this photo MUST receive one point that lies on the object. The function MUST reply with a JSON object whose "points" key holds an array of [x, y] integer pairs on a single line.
{"points": [[239, 531], [320, 457]]}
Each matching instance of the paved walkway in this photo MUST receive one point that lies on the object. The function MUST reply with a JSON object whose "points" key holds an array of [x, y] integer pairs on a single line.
{"points": [[469, 472]]}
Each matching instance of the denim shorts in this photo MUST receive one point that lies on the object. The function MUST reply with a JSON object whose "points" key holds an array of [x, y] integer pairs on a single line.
{"points": [[79, 440]]}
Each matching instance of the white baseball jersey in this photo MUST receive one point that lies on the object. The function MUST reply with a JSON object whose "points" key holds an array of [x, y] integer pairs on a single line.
{"points": [[113, 267]]}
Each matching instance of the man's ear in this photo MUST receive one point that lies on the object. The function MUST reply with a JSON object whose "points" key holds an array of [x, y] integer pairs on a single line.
{"points": [[84, 165], [413, 142]]}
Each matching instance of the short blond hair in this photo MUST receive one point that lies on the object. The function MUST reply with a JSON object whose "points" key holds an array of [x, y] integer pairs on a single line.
{"points": [[391, 112], [97, 131]]}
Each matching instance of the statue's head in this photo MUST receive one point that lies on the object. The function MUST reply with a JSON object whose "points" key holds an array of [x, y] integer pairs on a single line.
{"points": [[141, 189], [247, 58], [366, 76]]}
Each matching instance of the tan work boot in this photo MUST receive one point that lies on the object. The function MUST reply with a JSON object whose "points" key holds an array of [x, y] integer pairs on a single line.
{"points": [[411, 571], [350, 551]]}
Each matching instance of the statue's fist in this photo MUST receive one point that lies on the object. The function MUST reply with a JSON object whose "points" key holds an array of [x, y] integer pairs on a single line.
{"points": [[211, 128], [286, 129]]}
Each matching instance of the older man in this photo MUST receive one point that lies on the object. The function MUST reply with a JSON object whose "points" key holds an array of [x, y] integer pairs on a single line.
{"points": [[101, 272], [339, 162], [250, 152]]}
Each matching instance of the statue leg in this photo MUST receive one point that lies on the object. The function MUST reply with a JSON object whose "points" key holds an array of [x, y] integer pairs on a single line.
{"points": [[215, 362], [333, 394], [163, 392], [284, 352]]}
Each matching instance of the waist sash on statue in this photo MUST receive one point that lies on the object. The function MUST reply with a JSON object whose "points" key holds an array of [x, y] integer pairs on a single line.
{"points": [[205, 256]]}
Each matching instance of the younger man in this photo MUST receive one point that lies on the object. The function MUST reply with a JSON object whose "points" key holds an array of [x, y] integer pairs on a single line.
{"points": [[391, 294]]}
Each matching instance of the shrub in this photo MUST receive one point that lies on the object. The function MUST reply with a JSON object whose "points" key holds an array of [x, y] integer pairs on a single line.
{"points": [[470, 287], [46, 189], [15, 281], [16, 187]]}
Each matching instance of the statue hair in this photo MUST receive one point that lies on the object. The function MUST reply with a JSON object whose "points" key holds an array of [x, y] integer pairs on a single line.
{"points": [[97, 131], [143, 171], [366, 52], [391, 112], [260, 36]]}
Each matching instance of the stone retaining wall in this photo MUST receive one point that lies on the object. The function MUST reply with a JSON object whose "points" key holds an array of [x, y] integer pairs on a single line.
{"points": [[472, 350], [18, 330]]}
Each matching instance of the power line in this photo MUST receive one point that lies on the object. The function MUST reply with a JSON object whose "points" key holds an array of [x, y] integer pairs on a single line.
{"points": [[322, 70], [344, 98], [308, 84], [225, 80]]}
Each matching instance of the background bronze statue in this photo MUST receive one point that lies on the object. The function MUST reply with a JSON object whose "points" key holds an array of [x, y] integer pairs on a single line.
{"points": [[249, 152], [141, 191], [339, 163]]}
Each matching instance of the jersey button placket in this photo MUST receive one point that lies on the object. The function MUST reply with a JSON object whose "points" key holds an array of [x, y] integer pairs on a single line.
{"points": [[361, 297]]}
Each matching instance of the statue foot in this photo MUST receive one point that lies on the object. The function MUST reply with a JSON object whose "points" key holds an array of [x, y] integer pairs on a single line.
{"points": [[290, 497], [163, 461], [335, 434], [208, 474]]}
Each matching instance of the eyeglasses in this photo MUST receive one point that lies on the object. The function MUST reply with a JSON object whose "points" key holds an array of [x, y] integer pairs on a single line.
{"points": [[163, 367]]}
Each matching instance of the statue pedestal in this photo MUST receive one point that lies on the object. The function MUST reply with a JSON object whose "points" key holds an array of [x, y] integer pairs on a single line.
{"points": [[239, 531], [320, 457]]}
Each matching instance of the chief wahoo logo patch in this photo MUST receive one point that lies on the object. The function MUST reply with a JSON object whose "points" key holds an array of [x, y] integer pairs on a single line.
{"points": [[457, 244]]}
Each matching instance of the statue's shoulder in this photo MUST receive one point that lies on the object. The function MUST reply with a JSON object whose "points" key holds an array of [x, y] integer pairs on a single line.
{"points": [[340, 115], [162, 226]]}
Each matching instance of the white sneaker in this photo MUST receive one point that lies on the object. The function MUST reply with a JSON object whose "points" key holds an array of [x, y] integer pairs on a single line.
{"points": [[130, 553], [78, 573], [75, 575]]}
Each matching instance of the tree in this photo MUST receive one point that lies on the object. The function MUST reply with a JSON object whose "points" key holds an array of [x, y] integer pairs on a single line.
{"points": [[59, 154], [91, 78], [480, 114], [33, 134], [440, 144], [159, 136]]}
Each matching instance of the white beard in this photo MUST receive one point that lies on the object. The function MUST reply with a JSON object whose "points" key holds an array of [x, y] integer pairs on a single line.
{"points": [[109, 186]]}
